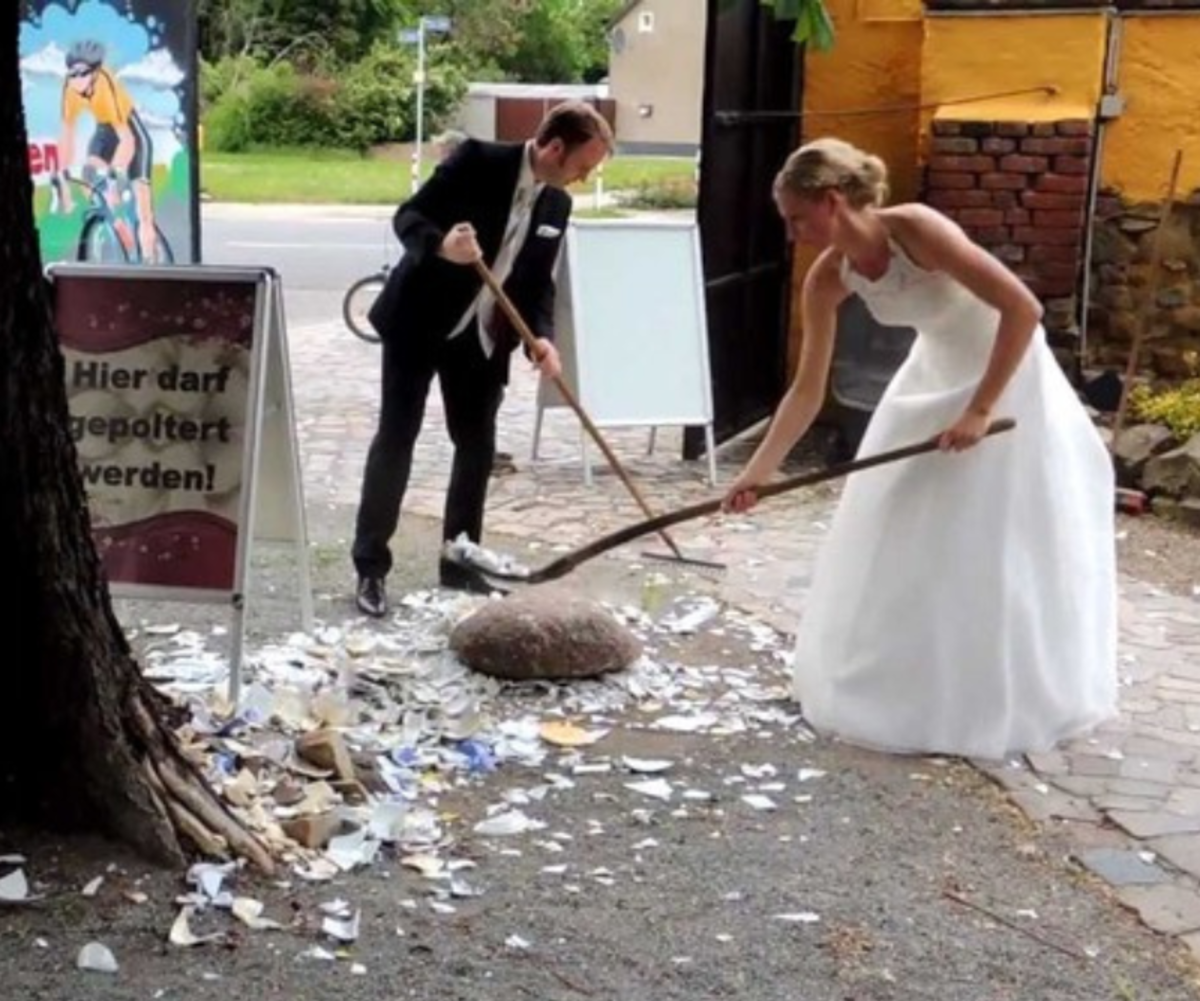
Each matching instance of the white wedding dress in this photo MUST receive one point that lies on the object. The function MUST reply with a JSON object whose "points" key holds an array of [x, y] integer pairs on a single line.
{"points": [[964, 603]]}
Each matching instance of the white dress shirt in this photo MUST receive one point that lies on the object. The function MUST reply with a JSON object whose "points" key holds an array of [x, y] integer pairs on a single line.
{"points": [[517, 229]]}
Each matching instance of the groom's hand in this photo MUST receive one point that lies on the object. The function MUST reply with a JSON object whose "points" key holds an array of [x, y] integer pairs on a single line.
{"points": [[459, 246], [546, 358]]}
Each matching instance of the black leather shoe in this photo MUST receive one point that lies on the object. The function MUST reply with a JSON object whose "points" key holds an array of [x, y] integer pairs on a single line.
{"points": [[372, 597], [464, 578]]}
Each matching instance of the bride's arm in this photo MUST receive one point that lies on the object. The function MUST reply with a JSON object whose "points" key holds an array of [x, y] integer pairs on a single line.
{"points": [[937, 243], [821, 295]]}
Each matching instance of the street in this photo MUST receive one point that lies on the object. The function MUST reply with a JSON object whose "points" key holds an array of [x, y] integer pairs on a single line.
{"points": [[319, 251]]}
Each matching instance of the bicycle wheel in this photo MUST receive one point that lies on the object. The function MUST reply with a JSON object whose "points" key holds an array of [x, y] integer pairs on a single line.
{"points": [[360, 297], [99, 244], [163, 254]]}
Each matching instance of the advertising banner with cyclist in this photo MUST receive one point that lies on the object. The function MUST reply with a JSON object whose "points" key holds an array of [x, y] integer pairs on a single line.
{"points": [[109, 90]]}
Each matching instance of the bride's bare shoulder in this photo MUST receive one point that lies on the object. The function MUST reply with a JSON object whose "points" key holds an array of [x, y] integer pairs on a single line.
{"points": [[925, 233], [914, 217], [824, 278]]}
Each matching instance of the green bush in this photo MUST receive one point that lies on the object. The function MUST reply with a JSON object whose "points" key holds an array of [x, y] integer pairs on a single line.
{"points": [[661, 195], [355, 107], [272, 106], [375, 100], [1177, 408], [218, 78]]}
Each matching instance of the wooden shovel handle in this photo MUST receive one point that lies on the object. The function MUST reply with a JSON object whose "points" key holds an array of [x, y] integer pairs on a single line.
{"points": [[530, 343], [569, 561]]}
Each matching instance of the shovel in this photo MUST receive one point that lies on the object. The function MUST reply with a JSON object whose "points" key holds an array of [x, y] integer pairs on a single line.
{"points": [[564, 564]]}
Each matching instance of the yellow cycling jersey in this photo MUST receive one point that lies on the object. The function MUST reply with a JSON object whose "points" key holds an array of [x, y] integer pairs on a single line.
{"points": [[109, 102]]}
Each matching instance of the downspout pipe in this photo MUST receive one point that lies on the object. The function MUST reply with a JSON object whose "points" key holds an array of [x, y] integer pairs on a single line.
{"points": [[1112, 63]]}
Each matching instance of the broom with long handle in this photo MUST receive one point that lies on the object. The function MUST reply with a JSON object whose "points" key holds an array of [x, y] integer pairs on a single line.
{"points": [[530, 342]]}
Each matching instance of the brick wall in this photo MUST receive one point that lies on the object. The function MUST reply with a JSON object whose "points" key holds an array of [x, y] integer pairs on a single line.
{"points": [[1020, 190]]}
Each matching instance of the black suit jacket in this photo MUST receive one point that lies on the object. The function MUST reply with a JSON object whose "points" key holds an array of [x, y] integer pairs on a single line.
{"points": [[425, 296]]}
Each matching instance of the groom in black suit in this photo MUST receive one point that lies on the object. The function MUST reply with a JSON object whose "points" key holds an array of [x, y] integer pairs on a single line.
{"points": [[505, 204]]}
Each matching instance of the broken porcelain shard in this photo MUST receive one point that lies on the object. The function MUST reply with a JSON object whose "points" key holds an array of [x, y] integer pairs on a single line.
{"points": [[462, 550], [96, 957]]}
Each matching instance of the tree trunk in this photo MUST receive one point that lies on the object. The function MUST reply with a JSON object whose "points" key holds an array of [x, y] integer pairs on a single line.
{"points": [[81, 744]]}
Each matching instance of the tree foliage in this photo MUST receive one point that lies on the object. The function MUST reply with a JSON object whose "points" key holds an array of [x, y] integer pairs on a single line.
{"points": [[534, 41], [340, 29], [542, 41], [813, 25], [335, 73]]}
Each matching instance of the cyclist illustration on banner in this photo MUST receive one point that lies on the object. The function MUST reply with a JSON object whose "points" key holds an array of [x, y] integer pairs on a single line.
{"points": [[119, 164], [108, 88]]}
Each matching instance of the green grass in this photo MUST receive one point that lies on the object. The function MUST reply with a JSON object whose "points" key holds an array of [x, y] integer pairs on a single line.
{"points": [[624, 172], [605, 213], [304, 176], [340, 177]]}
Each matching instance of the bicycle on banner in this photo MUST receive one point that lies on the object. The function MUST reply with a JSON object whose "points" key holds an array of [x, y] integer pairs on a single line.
{"points": [[109, 231]]}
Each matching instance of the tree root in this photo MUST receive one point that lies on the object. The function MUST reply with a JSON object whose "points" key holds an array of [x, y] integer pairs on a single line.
{"points": [[191, 806], [183, 821]]}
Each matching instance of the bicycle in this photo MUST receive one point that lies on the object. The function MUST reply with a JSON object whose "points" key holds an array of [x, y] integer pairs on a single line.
{"points": [[106, 236], [357, 303]]}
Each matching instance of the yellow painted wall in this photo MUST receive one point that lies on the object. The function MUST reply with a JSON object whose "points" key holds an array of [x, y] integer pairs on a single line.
{"points": [[875, 63], [966, 57], [890, 53], [887, 53], [1159, 76]]}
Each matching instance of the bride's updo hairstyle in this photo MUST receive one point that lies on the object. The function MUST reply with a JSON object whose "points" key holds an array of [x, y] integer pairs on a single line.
{"points": [[833, 165]]}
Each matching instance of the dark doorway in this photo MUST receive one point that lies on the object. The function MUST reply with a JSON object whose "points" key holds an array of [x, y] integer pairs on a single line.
{"points": [[752, 94]]}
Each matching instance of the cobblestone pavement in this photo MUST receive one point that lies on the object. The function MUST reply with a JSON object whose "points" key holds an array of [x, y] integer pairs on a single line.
{"points": [[1129, 793]]}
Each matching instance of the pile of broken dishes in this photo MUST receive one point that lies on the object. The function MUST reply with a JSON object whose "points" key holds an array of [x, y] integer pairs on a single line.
{"points": [[345, 742]]}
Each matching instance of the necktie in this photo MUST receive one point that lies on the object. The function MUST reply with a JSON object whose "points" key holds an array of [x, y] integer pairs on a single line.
{"points": [[503, 263]]}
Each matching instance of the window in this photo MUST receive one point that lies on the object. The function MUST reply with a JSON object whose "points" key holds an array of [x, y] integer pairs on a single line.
{"points": [[646, 22]]}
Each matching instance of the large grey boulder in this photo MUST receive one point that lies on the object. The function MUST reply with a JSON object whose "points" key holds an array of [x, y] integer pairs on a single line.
{"points": [[1175, 473], [544, 633]]}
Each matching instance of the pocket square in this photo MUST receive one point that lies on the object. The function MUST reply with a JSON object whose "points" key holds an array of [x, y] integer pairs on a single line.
{"points": [[550, 232]]}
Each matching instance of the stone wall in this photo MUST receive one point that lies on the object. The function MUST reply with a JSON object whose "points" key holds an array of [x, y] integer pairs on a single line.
{"points": [[1123, 239], [1020, 190]]}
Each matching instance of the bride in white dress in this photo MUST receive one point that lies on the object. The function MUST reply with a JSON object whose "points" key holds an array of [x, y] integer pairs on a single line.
{"points": [[965, 601]]}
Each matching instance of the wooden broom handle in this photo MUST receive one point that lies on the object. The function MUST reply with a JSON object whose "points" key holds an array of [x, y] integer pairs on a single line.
{"points": [[530, 342]]}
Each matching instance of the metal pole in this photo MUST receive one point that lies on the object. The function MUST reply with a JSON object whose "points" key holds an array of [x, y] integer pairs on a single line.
{"points": [[1111, 87], [416, 181]]}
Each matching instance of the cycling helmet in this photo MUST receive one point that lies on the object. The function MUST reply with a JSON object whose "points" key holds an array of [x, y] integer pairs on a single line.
{"points": [[87, 52]]}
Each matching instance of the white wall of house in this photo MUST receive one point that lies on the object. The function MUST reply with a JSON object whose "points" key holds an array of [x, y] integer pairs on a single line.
{"points": [[477, 116], [656, 75]]}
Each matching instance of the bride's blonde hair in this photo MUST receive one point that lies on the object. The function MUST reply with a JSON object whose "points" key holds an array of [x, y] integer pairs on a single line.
{"points": [[834, 165]]}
